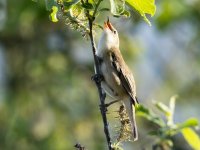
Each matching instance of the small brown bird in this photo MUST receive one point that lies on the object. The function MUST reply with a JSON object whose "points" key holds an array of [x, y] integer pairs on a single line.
{"points": [[118, 80]]}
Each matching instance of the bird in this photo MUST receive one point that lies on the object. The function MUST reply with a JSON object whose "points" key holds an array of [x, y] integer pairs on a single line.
{"points": [[118, 81]]}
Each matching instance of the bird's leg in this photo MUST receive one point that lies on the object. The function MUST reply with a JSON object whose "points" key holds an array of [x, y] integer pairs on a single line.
{"points": [[105, 106], [113, 102]]}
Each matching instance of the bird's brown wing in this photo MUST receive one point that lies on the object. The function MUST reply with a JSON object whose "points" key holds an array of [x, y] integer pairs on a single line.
{"points": [[125, 75]]}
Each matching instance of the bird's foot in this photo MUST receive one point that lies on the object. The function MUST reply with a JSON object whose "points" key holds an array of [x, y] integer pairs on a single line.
{"points": [[97, 78]]}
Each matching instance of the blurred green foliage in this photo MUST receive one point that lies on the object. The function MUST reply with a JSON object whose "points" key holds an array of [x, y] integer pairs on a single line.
{"points": [[166, 131], [49, 101]]}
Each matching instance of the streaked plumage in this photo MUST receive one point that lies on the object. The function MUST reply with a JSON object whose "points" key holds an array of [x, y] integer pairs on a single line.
{"points": [[118, 80]]}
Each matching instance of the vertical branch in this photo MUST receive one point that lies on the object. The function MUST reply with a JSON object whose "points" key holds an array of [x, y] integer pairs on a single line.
{"points": [[102, 94]]}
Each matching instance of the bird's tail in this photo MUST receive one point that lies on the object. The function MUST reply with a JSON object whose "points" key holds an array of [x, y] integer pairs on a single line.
{"points": [[130, 109]]}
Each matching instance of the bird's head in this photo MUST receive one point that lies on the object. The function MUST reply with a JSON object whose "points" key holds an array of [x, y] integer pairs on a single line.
{"points": [[109, 37]]}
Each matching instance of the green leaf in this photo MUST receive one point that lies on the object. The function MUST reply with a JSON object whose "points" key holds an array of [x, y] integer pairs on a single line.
{"points": [[126, 13], [50, 4], [53, 15], [76, 10], [155, 133], [147, 114], [104, 9], [68, 4], [192, 138], [162, 107], [192, 122], [117, 7], [143, 7], [87, 6], [172, 103]]}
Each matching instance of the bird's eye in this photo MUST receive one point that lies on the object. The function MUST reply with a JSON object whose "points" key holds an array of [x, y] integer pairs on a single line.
{"points": [[114, 31]]}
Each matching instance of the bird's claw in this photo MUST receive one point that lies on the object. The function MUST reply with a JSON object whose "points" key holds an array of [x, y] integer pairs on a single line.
{"points": [[97, 78]]}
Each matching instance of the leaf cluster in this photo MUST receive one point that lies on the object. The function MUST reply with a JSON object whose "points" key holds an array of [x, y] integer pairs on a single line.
{"points": [[167, 129], [74, 10]]}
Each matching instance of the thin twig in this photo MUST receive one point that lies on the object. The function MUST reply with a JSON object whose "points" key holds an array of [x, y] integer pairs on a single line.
{"points": [[102, 94], [96, 8]]}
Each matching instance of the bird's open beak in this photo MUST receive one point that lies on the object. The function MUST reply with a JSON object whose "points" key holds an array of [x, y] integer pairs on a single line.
{"points": [[108, 25]]}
